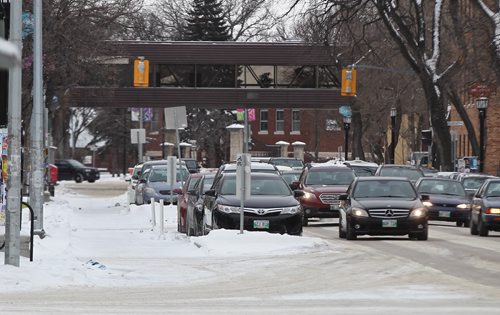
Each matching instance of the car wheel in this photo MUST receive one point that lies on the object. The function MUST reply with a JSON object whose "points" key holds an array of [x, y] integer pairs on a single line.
{"points": [[481, 227], [341, 232], [189, 229], [459, 223], [350, 233], [204, 226], [423, 236], [473, 227], [467, 223], [305, 221], [78, 178]]}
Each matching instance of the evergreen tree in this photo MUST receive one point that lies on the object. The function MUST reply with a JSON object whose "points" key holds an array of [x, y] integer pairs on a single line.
{"points": [[208, 127], [206, 22]]}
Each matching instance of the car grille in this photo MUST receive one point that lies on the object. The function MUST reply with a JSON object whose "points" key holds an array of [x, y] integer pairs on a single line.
{"points": [[389, 213], [263, 212], [329, 199]]}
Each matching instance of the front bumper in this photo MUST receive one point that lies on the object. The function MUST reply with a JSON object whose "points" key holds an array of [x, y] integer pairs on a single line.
{"points": [[492, 221], [448, 214], [377, 226], [321, 210], [281, 223]]}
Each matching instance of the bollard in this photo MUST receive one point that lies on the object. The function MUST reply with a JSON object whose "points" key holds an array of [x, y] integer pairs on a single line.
{"points": [[153, 212], [162, 229]]}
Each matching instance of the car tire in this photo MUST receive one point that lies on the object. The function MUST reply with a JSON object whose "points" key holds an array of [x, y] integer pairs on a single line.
{"points": [[341, 232], [467, 223], [473, 227], [78, 178], [423, 236], [350, 233], [305, 221], [459, 223], [481, 227]]}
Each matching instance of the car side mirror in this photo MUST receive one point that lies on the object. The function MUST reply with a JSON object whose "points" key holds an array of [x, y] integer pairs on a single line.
{"points": [[298, 193], [210, 192], [344, 197], [425, 197]]}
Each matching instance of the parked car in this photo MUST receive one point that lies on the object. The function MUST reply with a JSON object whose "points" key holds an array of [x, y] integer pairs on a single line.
{"points": [[485, 213], [322, 185], [154, 184], [382, 206], [255, 167], [68, 169], [472, 182], [395, 170], [182, 198], [196, 198], [447, 200], [294, 163], [132, 180], [291, 176], [148, 164], [272, 206], [191, 164]]}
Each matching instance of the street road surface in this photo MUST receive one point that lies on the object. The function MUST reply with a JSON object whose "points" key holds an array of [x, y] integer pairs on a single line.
{"points": [[451, 273]]}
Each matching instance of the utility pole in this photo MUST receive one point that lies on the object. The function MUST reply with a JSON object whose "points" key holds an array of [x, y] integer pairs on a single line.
{"points": [[13, 219], [37, 165]]}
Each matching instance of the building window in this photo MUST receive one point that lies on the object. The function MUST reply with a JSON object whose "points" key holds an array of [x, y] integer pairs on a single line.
{"points": [[263, 120], [295, 120], [280, 120]]}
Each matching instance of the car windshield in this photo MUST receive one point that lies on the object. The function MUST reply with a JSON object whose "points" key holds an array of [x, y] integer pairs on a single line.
{"points": [[160, 175], [473, 182], [441, 187], [191, 164], [327, 177], [384, 189], [363, 171], [411, 174], [259, 186], [493, 189], [75, 163], [288, 162]]}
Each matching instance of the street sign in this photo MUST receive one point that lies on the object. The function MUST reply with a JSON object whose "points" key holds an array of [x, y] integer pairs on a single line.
{"points": [[455, 123], [175, 118], [137, 136]]}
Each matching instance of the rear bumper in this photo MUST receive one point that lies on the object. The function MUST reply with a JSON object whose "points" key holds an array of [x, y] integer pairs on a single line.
{"points": [[447, 214]]}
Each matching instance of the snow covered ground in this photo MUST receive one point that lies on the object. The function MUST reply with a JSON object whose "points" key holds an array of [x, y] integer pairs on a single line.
{"points": [[100, 242]]}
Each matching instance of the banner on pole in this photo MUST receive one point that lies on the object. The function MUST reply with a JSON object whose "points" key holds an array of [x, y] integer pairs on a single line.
{"points": [[3, 174]]}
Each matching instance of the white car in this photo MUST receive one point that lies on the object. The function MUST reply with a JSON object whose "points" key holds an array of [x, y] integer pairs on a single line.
{"points": [[133, 180]]}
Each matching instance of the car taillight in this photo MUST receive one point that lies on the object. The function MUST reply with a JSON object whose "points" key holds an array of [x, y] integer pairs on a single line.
{"points": [[492, 211]]}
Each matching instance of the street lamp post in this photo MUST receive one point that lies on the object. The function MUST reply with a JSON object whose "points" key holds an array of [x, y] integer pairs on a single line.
{"points": [[481, 105], [347, 125], [393, 138]]}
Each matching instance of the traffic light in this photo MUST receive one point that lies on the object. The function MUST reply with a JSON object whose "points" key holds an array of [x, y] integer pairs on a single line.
{"points": [[426, 137], [141, 72], [348, 86]]}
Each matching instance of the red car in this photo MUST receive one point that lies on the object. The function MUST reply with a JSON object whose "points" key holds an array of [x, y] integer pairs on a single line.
{"points": [[322, 185], [182, 200]]}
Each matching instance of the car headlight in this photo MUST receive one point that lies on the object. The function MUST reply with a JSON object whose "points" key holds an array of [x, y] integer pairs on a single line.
{"points": [[308, 195], [463, 206], [290, 210], [358, 212], [149, 191], [417, 213], [427, 203], [228, 209]]}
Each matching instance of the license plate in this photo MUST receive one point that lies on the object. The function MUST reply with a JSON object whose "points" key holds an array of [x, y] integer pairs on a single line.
{"points": [[334, 207], [444, 214], [389, 223], [261, 224]]}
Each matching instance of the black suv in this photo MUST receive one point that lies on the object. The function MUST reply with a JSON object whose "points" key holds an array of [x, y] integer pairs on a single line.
{"points": [[72, 169]]}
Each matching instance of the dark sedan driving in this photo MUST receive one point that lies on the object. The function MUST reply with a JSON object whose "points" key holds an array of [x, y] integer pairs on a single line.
{"points": [[447, 200], [382, 206], [485, 215], [272, 206]]}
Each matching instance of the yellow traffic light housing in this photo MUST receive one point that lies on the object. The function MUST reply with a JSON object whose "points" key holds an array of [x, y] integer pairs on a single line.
{"points": [[348, 87], [141, 72]]}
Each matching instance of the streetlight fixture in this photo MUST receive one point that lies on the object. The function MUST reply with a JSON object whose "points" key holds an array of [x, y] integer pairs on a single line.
{"points": [[347, 125], [394, 112], [481, 105]]}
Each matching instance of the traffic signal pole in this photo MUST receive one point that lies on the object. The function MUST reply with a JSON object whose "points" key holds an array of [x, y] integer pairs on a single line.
{"points": [[13, 219]]}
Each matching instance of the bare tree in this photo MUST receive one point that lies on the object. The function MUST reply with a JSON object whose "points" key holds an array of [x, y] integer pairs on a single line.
{"points": [[494, 16]]}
